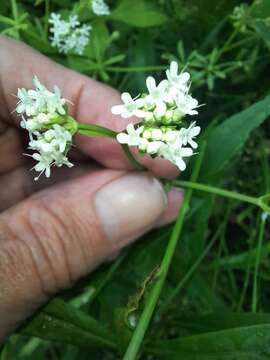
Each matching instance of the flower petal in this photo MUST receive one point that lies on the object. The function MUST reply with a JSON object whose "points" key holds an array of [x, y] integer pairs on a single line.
{"points": [[117, 109], [122, 138], [126, 98], [151, 84], [174, 68]]}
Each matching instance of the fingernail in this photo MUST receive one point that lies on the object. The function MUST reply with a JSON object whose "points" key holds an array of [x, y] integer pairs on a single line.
{"points": [[129, 206]]}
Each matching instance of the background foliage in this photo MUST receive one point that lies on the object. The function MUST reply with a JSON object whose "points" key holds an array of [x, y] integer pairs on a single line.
{"points": [[214, 303]]}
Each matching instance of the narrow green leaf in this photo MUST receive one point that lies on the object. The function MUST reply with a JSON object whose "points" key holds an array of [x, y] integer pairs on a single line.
{"points": [[243, 343], [61, 322], [220, 321]]}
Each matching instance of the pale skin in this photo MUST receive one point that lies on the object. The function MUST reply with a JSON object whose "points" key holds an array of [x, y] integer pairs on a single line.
{"points": [[50, 232]]}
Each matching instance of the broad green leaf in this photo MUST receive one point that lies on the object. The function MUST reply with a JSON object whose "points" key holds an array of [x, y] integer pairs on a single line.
{"points": [[260, 9], [100, 40], [227, 139], [61, 322], [243, 343], [259, 19], [138, 13]]}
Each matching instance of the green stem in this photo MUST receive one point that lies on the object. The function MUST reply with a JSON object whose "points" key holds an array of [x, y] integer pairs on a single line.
{"points": [[246, 279], [135, 69], [131, 158], [190, 272], [92, 130], [257, 265], [214, 190], [238, 43], [16, 16], [146, 316], [227, 42], [46, 20]]}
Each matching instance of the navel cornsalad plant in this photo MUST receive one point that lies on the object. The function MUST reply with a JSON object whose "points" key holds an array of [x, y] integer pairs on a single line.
{"points": [[160, 133], [214, 301]]}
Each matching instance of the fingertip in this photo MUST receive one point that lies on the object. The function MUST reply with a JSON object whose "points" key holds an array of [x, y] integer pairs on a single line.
{"points": [[175, 201], [161, 168]]}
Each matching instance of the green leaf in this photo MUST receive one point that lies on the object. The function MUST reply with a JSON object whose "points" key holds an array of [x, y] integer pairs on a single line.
{"points": [[138, 13], [61, 322], [243, 343], [216, 321], [259, 19], [100, 40], [228, 138], [239, 261]]}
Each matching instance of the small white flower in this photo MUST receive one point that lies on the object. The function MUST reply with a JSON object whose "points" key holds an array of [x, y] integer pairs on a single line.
{"points": [[69, 35], [186, 104], [170, 136], [176, 155], [132, 137], [180, 154], [42, 111], [187, 135], [73, 21], [131, 107], [158, 95], [100, 8], [39, 104], [55, 103], [51, 147], [177, 82], [25, 104], [61, 159], [43, 165], [162, 110], [84, 30], [58, 136], [264, 216], [54, 18], [153, 147], [156, 134]]}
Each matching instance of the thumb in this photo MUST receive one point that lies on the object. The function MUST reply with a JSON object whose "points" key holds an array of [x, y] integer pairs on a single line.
{"points": [[59, 234]]}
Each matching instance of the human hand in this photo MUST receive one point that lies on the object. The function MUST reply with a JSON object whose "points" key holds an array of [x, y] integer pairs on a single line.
{"points": [[50, 237]]}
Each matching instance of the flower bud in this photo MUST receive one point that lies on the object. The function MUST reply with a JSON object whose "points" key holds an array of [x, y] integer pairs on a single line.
{"points": [[149, 116], [156, 134], [143, 145], [169, 115], [170, 136], [147, 134]]}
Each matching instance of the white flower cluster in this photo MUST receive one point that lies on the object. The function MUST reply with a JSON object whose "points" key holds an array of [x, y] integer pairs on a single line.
{"points": [[160, 133], [69, 35], [44, 116], [100, 8]]}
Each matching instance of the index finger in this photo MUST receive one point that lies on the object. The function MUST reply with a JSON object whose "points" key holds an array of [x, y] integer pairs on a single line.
{"points": [[92, 102]]}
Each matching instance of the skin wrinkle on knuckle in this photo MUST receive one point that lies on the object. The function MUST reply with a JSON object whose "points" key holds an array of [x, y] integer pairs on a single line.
{"points": [[52, 234], [69, 242], [20, 289]]}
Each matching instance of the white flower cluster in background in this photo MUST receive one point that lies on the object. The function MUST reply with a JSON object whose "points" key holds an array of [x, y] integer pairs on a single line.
{"points": [[162, 109], [44, 116], [100, 8], [69, 35]]}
